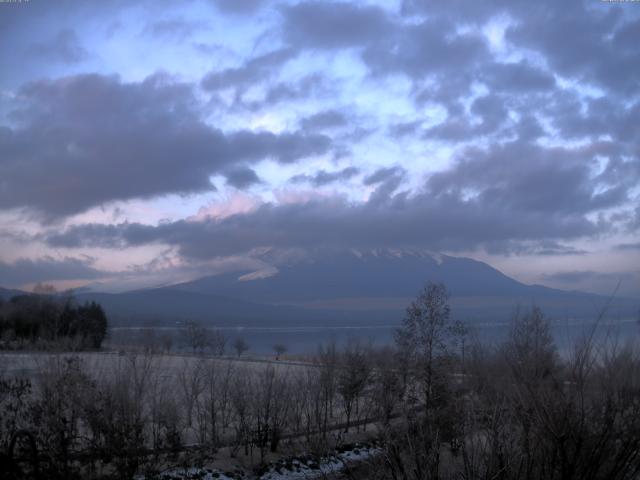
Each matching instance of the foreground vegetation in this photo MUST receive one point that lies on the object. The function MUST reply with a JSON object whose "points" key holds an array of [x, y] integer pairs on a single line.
{"points": [[51, 322], [439, 405]]}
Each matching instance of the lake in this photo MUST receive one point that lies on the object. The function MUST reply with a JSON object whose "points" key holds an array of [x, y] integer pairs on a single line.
{"points": [[304, 340]]}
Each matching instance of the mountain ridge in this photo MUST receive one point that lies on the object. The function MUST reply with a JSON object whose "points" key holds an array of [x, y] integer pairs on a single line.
{"points": [[346, 286]]}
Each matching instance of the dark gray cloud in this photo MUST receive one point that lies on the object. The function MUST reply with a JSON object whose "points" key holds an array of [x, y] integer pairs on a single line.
{"points": [[517, 77], [324, 120], [252, 71], [527, 177], [241, 177], [90, 234], [489, 109], [512, 198], [594, 117], [47, 269], [238, 6], [305, 88], [333, 25], [588, 43], [475, 12], [428, 48], [323, 177], [80, 141], [404, 129], [628, 246], [383, 174], [424, 221], [628, 36], [63, 47]]}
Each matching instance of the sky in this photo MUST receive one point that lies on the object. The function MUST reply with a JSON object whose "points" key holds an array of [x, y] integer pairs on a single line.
{"points": [[149, 142]]}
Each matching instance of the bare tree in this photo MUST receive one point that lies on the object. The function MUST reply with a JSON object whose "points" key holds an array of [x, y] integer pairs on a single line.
{"points": [[279, 349], [530, 348], [387, 386], [214, 404], [118, 417], [196, 336], [269, 409], [425, 338], [240, 346], [191, 380], [218, 342], [329, 362], [241, 394], [167, 342], [353, 377]]}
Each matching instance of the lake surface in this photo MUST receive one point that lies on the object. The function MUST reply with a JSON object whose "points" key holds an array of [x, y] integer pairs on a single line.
{"points": [[304, 340]]}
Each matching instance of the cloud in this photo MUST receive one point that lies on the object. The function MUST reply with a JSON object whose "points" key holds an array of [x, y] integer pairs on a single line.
{"points": [[89, 234], [47, 269], [491, 111], [238, 7], [383, 174], [242, 177], [625, 283], [306, 87], [403, 129], [434, 219], [628, 246], [333, 25], [508, 198], [535, 247], [431, 47], [174, 28], [253, 71], [518, 77], [81, 141], [323, 177], [580, 43], [324, 120], [64, 47], [530, 178]]}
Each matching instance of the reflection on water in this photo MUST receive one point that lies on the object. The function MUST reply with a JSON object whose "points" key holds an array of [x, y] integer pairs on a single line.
{"points": [[301, 340]]}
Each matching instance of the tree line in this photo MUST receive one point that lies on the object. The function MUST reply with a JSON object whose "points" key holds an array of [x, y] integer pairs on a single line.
{"points": [[51, 321]]}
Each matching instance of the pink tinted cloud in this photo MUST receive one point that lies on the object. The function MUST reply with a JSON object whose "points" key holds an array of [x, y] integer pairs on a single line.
{"points": [[236, 203]]}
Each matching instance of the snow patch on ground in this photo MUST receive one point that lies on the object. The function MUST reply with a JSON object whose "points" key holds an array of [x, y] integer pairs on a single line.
{"points": [[285, 469], [197, 474], [308, 468]]}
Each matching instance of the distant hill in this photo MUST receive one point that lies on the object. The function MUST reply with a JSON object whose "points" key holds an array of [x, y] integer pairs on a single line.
{"points": [[346, 287], [7, 293]]}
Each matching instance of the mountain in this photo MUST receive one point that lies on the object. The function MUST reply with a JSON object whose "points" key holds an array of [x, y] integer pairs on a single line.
{"points": [[7, 293], [344, 288], [377, 281], [353, 274]]}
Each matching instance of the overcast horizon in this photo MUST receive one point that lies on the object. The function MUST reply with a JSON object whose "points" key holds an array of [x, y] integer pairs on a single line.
{"points": [[146, 143]]}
